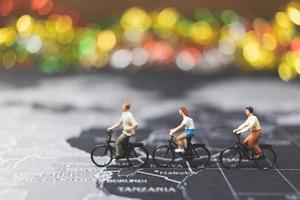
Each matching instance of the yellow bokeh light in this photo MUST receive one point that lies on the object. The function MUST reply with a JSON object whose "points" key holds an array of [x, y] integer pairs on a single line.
{"points": [[269, 41], [25, 23], [284, 35], [9, 59], [294, 15], [63, 23], [293, 11], [285, 72], [201, 32], [167, 18], [50, 28], [8, 36], [106, 40], [66, 37], [297, 65], [135, 19], [251, 52], [289, 58], [283, 20], [267, 59]]}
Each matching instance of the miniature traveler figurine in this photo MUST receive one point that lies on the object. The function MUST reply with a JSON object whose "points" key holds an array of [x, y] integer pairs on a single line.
{"points": [[186, 123], [129, 125], [251, 124]]}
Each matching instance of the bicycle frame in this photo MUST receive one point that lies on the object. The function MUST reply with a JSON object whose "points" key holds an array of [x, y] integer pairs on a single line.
{"points": [[127, 150], [243, 149], [172, 145]]}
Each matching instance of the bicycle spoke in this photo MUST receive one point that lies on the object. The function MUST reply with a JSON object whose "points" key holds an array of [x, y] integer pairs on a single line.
{"points": [[138, 156], [199, 158], [267, 160], [163, 156], [101, 155], [230, 158]]}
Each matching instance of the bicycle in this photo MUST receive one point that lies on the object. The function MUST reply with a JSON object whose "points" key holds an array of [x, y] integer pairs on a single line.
{"points": [[196, 154], [135, 153], [231, 156]]}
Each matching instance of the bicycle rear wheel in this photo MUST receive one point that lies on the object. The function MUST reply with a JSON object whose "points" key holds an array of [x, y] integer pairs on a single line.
{"points": [[230, 158], [102, 155], [200, 157], [138, 156], [163, 156], [267, 160]]}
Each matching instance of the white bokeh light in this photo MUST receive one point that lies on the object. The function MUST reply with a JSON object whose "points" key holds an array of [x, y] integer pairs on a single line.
{"points": [[121, 58], [139, 56], [185, 61], [34, 44]]}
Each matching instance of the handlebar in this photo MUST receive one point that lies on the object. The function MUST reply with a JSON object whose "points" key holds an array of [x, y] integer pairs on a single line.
{"points": [[238, 137], [109, 133]]}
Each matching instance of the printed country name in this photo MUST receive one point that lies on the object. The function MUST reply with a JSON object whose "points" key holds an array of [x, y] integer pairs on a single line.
{"points": [[82, 169], [164, 172], [126, 181], [65, 177], [147, 189]]}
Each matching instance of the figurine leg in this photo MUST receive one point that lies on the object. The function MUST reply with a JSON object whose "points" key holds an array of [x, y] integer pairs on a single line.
{"points": [[119, 142], [179, 139], [252, 140]]}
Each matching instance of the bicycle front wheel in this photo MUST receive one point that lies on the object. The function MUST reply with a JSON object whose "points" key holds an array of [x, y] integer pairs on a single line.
{"points": [[200, 157], [267, 160], [101, 155], [163, 156], [230, 158], [138, 156]]}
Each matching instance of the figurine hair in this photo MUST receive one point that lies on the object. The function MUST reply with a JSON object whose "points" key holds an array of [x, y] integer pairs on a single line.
{"points": [[185, 111], [127, 105], [250, 109]]}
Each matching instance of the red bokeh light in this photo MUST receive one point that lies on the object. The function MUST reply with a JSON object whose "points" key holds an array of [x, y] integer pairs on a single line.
{"points": [[295, 45], [6, 7]]}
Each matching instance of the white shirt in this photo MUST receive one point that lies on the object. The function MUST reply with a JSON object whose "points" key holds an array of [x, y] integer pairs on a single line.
{"points": [[251, 124], [127, 120], [188, 122]]}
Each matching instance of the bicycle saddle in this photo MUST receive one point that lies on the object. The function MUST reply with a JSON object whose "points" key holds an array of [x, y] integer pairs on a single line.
{"points": [[265, 145], [137, 144], [199, 145]]}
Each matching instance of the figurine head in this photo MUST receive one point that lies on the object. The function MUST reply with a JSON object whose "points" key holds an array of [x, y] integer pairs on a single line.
{"points": [[183, 111], [126, 106], [249, 110]]}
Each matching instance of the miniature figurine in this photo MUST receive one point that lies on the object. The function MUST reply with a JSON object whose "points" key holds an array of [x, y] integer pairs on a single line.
{"points": [[186, 123], [129, 125], [251, 124]]}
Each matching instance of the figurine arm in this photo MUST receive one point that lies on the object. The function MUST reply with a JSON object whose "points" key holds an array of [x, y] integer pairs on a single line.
{"points": [[116, 125], [241, 127], [134, 124], [173, 130]]}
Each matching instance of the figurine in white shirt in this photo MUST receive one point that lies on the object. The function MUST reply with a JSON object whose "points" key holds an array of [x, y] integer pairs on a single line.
{"points": [[129, 125], [188, 125], [253, 126]]}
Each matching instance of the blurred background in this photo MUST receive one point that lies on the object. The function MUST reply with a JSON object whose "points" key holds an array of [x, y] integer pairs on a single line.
{"points": [[66, 66], [205, 36]]}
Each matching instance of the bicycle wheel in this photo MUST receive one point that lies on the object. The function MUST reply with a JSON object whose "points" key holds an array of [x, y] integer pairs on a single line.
{"points": [[230, 158], [138, 156], [267, 160], [101, 155], [200, 157], [163, 156]]}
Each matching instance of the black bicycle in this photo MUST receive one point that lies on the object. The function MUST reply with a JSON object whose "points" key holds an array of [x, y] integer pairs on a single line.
{"points": [[231, 156], [197, 155], [135, 153]]}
